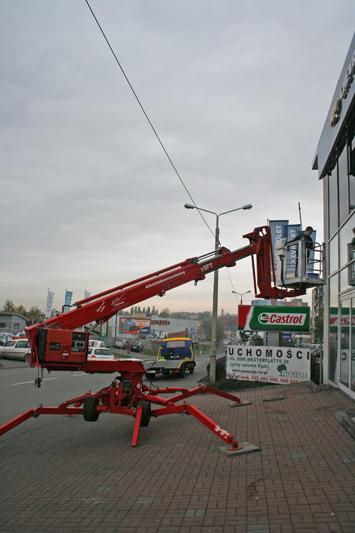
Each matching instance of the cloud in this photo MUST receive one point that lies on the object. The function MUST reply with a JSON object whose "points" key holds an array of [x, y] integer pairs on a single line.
{"points": [[238, 93]]}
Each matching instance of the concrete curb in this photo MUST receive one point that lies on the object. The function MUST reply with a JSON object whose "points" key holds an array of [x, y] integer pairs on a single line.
{"points": [[347, 420]]}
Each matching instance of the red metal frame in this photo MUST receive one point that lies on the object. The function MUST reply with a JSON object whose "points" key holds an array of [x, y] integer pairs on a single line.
{"points": [[114, 399], [100, 307], [56, 345]]}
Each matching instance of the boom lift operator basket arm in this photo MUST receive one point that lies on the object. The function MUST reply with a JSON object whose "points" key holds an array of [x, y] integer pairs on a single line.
{"points": [[57, 344]]}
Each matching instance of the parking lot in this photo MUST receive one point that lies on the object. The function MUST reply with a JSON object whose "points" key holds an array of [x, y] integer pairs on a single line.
{"points": [[18, 393], [60, 473]]}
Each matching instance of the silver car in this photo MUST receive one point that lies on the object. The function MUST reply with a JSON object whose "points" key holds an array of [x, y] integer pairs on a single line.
{"points": [[100, 354], [17, 349], [121, 343]]}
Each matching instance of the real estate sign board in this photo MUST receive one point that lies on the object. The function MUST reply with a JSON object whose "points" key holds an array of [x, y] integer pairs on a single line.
{"points": [[271, 364], [273, 318]]}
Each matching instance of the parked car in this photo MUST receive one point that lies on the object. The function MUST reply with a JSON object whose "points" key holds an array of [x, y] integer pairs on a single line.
{"points": [[121, 343], [96, 344], [3, 340], [16, 349], [5, 337], [100, 354], [136, 347]]}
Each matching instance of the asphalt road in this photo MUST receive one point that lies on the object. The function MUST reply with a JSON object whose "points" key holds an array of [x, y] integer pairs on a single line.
{"points": [[18, 393]]}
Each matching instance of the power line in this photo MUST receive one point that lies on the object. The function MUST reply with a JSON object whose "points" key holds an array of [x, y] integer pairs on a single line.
{"points": [[152, 126], [147, 117]]}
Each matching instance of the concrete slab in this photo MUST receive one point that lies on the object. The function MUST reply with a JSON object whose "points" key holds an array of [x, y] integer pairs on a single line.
{"points": [[274, 398]]}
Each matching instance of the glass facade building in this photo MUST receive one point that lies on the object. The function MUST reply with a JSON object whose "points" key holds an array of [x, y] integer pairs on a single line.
{"points": [[335, 162]]}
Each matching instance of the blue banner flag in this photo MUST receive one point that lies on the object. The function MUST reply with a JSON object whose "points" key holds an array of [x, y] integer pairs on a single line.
{"points": [[293, 231], [310, 263], [49, 306], [278, 230], [67, 300]]}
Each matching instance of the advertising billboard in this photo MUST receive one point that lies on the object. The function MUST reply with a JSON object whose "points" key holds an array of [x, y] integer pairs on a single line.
{"points": [[133, 326], [271, 364], [273, 318]]}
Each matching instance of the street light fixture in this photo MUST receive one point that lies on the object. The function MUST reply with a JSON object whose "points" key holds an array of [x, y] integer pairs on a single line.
{"points": [[212, 376], [241, 294]]}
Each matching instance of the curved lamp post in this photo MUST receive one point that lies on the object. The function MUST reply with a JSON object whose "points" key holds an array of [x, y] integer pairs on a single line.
{"points": [[241, 294], [213, 357]]}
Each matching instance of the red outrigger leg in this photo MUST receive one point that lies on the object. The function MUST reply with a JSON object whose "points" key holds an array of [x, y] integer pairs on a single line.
{"points": [[137, 426], [107, 401], [36, 412]]}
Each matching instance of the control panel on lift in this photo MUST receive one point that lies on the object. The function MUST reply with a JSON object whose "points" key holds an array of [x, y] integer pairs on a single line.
{"points": [[300, 264], [62, 346]]}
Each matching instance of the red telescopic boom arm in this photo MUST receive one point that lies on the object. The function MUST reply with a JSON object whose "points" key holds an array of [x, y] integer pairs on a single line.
{"points": [[100, 307]]}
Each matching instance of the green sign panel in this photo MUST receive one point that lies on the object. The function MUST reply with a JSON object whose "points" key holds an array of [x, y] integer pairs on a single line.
{"points": [[277, 318], [344, 314]]}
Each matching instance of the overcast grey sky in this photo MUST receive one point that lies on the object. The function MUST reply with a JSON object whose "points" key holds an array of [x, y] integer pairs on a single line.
{"points": [[238, 91]]}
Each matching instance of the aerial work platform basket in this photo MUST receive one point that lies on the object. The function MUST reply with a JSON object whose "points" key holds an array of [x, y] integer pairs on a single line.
{"points": [[300, 265]]}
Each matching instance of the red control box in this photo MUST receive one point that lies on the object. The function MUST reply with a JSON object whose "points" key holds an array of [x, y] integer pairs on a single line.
{"points": [[62, 346]]}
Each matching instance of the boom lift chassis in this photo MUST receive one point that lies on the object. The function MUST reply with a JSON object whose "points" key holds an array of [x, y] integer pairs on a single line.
{"points": [[57, 344], [127, 395]]}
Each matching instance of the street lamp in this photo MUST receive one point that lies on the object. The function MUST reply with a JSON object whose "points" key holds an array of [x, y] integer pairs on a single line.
{"points": [[213, 357], [241, 294]]}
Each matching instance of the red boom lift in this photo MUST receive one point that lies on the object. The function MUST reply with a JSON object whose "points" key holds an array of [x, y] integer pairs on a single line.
{"points": [[57, 344]]}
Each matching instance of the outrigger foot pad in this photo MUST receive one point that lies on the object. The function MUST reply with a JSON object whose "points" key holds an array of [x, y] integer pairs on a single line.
{"points": [[242, 404], [244, 447]]}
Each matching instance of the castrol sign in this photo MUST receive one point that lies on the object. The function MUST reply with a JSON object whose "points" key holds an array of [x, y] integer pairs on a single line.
{"points": [[273, 318], [282, 318]]}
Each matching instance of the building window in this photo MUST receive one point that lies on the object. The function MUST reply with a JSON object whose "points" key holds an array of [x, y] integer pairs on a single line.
{"points": [[352, 172], [346, 237], [333, 326], [333, 202], [333, 255], [352, 351], [343, 178], [347, 277], [345, 343]]}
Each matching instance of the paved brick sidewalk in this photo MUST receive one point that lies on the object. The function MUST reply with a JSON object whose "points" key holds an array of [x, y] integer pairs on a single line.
{"points": [[63, 474]]}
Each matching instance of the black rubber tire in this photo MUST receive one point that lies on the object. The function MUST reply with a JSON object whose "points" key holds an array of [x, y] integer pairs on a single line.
{"points": [[182, 371], [90, 414], [27, 358], [191, 369], [145, 413]]}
